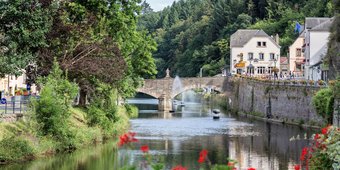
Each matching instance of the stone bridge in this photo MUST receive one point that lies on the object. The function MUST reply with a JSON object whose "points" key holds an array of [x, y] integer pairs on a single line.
{"points": [[162, 89]]}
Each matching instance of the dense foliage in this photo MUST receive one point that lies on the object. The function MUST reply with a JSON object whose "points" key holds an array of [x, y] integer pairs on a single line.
{"points": [[333, 53], [14, 148], [23, 28], [323, 101], [52, 110], [324, 150], [194, 34], [93, 40]]}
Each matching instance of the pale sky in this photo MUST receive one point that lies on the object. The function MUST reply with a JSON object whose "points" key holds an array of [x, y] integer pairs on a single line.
{"points": [[158, 5]]}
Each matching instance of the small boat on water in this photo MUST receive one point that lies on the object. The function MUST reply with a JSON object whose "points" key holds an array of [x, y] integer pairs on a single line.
{"points": [[216, 113]]}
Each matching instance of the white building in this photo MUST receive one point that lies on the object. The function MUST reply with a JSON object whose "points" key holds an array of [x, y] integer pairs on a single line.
{"points": [[297, 57], [253, 52], [10, 83], [317, 31]]}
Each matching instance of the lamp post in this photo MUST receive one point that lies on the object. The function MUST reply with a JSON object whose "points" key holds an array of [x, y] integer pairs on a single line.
{"points": [[201, 71], [275, 70], [338, 118], [250, 67]]}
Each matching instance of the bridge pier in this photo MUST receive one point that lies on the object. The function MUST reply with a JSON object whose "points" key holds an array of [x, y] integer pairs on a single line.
{"points": [[164, 103]]}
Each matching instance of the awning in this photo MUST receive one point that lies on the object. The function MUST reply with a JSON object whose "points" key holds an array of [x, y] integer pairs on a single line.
{"points": [[241, 64]]}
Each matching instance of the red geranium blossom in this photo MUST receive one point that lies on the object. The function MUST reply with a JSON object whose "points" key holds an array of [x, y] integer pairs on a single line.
{"points": [[179, 167], [251, 169], [203, 155], [144, 148], [127, 138], [297, 167], [303, 153], [324, 130], [232, 164]]}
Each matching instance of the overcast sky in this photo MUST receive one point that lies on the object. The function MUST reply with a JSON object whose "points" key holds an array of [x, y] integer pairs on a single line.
{"points": [[158, 5]]}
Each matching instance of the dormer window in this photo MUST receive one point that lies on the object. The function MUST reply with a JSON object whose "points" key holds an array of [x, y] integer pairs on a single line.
{"points": [[259, 43]]}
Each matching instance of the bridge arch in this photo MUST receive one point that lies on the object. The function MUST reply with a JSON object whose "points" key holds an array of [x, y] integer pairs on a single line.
{"points": [[150, 93], [162, 88], [187, 88]]}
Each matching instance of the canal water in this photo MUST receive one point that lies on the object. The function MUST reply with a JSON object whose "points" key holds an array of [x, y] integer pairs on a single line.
{"points": [[177, 138]]}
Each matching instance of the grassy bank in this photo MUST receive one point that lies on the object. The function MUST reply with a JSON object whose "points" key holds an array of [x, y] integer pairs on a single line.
{"points": [[21, 141]]}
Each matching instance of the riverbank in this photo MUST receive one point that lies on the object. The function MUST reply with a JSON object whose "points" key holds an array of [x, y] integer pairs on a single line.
{"points": [[21, 141]]}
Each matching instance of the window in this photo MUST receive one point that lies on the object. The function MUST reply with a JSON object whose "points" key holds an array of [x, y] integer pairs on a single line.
{"points": [[259, 43], [298, 52], [260, 70], [270, 70], [250, 70], [272, 56], [264, 44], [261, 56], [250, 56], [298, 67]]}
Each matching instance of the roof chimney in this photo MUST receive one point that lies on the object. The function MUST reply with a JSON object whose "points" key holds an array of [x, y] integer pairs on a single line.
{"points": [[277, 39]]}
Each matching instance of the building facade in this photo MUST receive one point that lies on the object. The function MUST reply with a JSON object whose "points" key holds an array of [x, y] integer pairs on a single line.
{"points": [[317, 31], [254, 53], [10, 83], [284, 67], [297, 57]]}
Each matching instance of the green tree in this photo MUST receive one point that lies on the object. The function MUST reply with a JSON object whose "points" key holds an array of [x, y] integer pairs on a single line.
{"points": [[146, 8], [333, 53], [23, 28], [52, 109]]}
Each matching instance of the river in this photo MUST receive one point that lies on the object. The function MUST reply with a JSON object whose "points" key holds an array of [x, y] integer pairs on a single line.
{"points": [[177, 138]]}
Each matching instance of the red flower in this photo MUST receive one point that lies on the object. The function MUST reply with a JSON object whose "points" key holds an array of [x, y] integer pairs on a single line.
{"points": [[144, 148], [251, 169], [231, 164], [127, 138], [297, 167], [303, 153], [179, 167], [325, 130], [203, 155], [316, 137]]}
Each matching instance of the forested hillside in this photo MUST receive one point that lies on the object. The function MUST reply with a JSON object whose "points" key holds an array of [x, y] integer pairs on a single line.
{"points": [[195, 33]]}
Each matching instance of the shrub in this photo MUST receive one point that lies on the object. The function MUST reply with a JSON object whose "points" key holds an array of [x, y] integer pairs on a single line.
{"points": [[52, 110], [324, 151], [15, 148], [131, 110], [323, 103], [103, 108]]}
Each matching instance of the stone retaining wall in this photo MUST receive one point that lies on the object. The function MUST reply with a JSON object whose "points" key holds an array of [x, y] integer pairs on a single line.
{"points": [[10, 117], [286, 103]]}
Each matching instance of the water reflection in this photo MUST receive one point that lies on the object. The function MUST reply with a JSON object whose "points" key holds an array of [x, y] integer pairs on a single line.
{"points": [[177, 138], [251, 143]]}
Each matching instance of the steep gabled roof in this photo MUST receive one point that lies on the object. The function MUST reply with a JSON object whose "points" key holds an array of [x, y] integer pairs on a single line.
{"points": [[325, 26], [314, 21], [242, 36], [318, 56]]}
